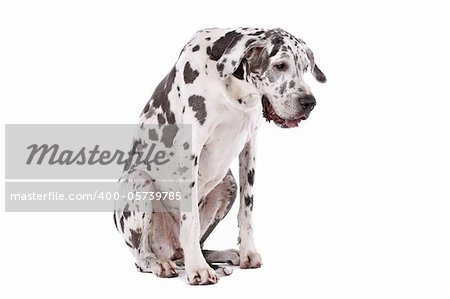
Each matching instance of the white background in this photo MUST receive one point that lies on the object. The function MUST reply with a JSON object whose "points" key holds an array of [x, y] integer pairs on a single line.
{"points": [[352, 204]]}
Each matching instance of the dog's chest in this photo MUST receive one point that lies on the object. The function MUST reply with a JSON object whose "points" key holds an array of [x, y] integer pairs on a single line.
{"points": [[226, 140]]}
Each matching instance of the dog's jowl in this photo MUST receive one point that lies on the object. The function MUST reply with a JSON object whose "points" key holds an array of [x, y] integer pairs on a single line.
{"points": [[223, 84]]}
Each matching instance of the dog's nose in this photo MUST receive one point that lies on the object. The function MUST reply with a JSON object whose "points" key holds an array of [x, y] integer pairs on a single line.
{"points": [[307, 102]]}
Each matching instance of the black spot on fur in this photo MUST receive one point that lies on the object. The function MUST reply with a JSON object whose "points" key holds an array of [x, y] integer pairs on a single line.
{"points": [[249, 42], [196, 48], [278, 40], [168, 134], [192, 184], [224, 45], [257, 33], [161, 119], [183, 217], [195, 161], [189, 74], [275, 50], [160, 96], [186, 145], [220, 67], [126, 214], [122, 224], [291, 84], [283, 87], [146, 108], [240, 101], [239, 72], [251, 176], [197, 103], [152, 135], [248, 200], [135, 238]]}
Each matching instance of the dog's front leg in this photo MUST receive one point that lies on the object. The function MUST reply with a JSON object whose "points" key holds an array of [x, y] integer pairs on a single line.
{"points": [[249, 258], [197, 269]]}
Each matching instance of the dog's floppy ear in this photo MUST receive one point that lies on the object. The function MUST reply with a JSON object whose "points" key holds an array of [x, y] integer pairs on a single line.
{"points": [[316, 72], [231, 49]]}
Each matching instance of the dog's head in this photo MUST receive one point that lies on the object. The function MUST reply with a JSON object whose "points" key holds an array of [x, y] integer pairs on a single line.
{"points": [[274, 62]]}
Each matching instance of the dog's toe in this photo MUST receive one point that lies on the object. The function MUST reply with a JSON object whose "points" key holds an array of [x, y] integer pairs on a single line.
{"points": [[250, 260], [202, 276], [165, 269]]}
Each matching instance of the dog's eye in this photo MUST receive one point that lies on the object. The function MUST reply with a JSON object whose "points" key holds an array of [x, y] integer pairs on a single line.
{"points": [[280, 66]]}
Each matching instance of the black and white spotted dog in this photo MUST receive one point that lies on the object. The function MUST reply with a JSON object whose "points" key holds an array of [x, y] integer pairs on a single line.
{"points": [[224, 81]]}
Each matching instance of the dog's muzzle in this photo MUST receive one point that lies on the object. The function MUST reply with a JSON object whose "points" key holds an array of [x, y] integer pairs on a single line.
{"points": [[307, 104]]}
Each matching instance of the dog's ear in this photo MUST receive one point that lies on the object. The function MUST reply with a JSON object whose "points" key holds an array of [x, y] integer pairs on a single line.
{"points": [[230, 56], [316, 72], [257, 58]]}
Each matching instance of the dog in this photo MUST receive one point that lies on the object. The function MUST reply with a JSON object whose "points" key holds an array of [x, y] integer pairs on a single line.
{"points": [[223, 84]]}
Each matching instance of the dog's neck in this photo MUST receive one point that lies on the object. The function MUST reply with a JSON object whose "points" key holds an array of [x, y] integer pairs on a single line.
{"points": [[242, 95]]}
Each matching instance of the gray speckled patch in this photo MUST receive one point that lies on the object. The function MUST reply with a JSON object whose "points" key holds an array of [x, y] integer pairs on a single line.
{"points": [[152, 135], [197, 103], [189, 74], [169, 133]]}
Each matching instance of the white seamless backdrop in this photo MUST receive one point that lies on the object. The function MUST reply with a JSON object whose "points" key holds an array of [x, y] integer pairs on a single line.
{"points": [[352, 204]]}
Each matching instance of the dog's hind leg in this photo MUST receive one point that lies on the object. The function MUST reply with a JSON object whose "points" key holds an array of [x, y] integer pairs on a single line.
{"points": [[213, 209], [216, 205], [135, 223]]}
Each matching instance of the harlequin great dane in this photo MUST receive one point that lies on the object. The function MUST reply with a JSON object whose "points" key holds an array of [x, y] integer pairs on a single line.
{"points": [[224, 82]]}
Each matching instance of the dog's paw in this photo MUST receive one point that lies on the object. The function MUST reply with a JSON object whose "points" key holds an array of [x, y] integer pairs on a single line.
{"points": [[164, 268], [249, 260], [201, 275]]}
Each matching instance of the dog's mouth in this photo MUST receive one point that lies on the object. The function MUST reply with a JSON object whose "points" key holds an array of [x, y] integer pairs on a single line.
{"points": [[270, 114]]}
